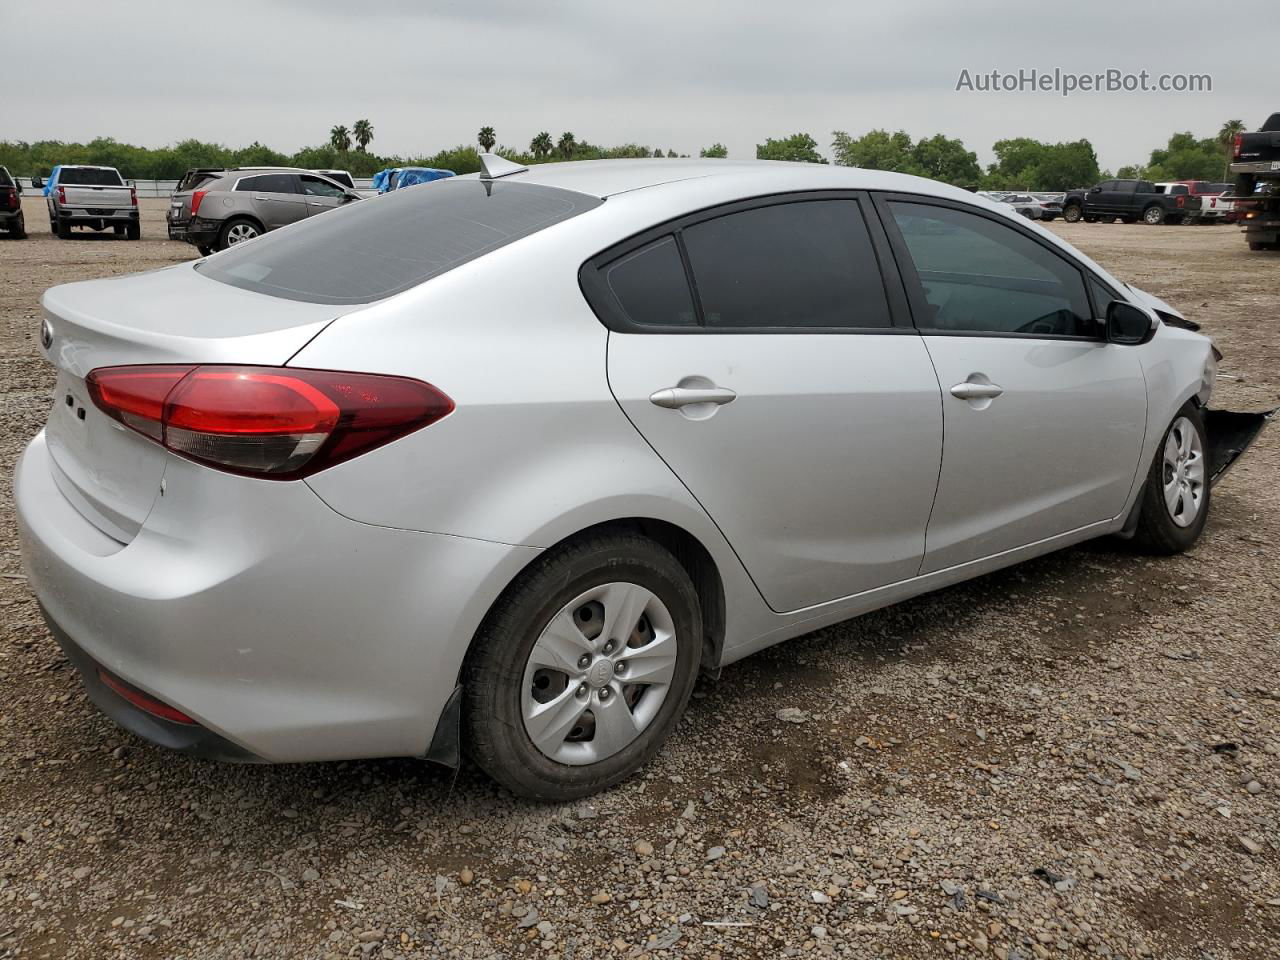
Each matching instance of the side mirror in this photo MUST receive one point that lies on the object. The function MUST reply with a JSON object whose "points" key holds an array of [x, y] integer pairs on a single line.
{"points": [[1096, 190], [18, 185], [1129, 324], [37, 183]]}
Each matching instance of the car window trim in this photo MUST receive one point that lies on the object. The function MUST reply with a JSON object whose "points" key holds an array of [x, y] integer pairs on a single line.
{"points": [[591, 275], [915, 288]]}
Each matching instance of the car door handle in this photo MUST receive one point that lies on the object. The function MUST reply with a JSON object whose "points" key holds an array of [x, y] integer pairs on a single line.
{"points": [[976, 391], [673, 398]]}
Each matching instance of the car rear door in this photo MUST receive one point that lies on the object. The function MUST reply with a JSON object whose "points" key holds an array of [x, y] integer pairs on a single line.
{"points": [[759, 350], [1044, 420], [277, 198]]}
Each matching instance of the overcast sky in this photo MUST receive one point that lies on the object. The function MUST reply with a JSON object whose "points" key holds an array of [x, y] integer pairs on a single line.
{"points": [[666, 73]]}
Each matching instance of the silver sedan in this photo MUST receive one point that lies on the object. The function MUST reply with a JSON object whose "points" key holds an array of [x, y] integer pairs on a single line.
{"points": [[500, 465]]}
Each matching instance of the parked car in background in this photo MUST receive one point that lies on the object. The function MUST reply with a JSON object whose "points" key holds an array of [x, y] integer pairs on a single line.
{"points": [[1031, 207], [1211, 210], [11, 220], [394, 178], [240, 205], [179, 211], [338, 176], [1129, 201], [90, 196], [1256, 156], [292, 504]]}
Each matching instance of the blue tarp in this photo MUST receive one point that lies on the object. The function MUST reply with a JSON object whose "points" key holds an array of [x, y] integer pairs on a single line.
{"points": [[52, 181], [406, 177]]}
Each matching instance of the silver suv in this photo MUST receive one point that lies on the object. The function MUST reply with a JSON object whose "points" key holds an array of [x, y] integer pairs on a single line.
{"points": [[243, 204]]}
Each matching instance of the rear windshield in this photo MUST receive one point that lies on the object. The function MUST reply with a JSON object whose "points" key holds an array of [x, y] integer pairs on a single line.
{"points": [[86, 177], [193, 180], [5, 180], [373, 249]]}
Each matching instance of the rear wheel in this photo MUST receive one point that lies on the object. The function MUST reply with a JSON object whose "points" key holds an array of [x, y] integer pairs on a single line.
{"points": [[133, 231], [1175, 498], [18, 228], [204, 249], [63, 230], [1153, 214], [237, 231], [582, 668]]}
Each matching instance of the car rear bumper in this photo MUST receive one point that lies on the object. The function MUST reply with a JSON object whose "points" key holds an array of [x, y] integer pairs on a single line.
{"points": [[286, 631], [77, 215]]}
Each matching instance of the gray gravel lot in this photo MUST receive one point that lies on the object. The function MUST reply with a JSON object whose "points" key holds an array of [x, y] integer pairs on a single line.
{"points": [[1076, 757]]}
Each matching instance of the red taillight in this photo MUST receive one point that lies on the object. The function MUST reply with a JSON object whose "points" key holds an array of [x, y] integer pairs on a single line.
{"points": [[1182, 201], [1235, 146], [13, 198], [195, 201], [62, 195], [133, 196], [142, 701], [272, 422]]}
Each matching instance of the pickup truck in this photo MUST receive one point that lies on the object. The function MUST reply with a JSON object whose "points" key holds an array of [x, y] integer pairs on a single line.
{"points": [[11, 206], [96, 197], [1127, 200], [1256, 165]]}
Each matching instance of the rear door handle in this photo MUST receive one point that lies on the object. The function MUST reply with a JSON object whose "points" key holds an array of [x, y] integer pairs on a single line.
{"points": [[673, 398], [976, 391]]}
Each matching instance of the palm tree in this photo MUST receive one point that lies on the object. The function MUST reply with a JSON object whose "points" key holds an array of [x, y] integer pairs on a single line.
{"points": [[486, 139], [542, 145], [363, 132], [340, 139], [1226, 137], [566, 145]]}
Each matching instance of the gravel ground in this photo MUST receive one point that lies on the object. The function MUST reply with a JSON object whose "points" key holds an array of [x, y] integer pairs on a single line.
{"points": [[1076, 757]]}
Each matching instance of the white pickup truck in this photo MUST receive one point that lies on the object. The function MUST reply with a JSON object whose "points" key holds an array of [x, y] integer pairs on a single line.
{"points": [[95, 197]]}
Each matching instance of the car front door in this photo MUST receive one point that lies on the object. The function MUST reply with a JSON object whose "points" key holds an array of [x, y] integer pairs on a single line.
{"points": [[1044, 420], [760, 352], [321, 194], [277, 198]]}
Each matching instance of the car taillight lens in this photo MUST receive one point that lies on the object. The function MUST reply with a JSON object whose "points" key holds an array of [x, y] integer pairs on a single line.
{"points": [[195, 201], [142, 701], [133, 196], [62, 194], [13, 198], [1182, 201], [1235, 145], [272, 422]]}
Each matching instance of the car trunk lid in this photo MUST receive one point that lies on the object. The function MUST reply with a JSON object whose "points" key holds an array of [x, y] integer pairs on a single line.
{"points": [[110, 473]]}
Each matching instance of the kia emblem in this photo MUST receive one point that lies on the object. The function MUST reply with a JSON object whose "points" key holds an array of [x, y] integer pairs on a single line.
{"points": [[46, 334]]}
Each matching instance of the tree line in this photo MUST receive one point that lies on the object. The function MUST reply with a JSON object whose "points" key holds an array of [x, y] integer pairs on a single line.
{"points": [[1020, 163]]}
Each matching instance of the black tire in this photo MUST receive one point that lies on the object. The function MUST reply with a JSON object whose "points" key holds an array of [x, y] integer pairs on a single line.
{"points": [[1157, 531], [1153, 214], [18, 228], [1090, 219], [1028, 214], [133, 231], [1257, 245], [1047, 217], [63, 230], [493, 675], [1071, 212], [225, 233], [1128, 219], [205, 249]]}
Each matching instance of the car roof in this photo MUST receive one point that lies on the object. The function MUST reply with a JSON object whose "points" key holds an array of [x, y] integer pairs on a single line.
{"points": [[605, 178]]}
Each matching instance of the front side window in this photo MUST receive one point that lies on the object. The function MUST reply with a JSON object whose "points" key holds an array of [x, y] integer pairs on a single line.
{"points": [[268, 183], [802, 264], [318, 187], [980, 276]]}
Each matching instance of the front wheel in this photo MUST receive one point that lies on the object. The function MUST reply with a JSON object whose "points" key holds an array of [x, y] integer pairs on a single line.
{"points": [[1153, 215], [1175, 498], [1071, 212], [582, 668]]}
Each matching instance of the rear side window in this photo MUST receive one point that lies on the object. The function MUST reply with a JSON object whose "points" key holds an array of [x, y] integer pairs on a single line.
{"points": [[368, 251], [83, 177], [651, 286], [5, 179], [801, 264], [268, 183]]}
